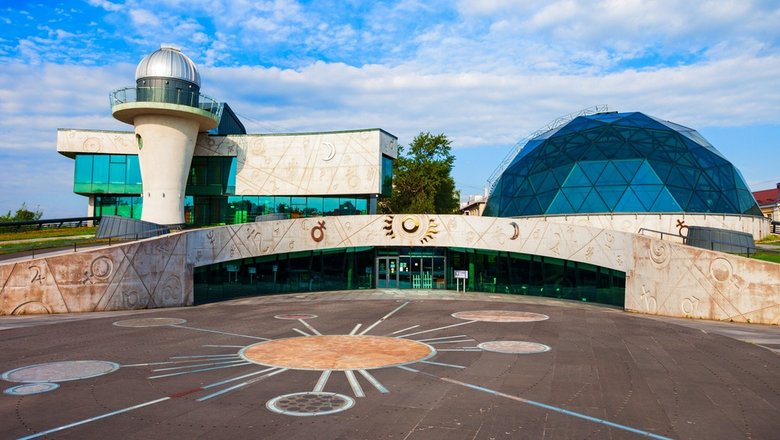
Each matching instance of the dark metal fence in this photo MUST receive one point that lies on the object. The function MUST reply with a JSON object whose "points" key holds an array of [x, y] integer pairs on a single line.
{"points": [[73, 222]]}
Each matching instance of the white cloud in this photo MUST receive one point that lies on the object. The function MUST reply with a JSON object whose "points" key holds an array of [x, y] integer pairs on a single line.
{"points": [[142, 18], [107, 5], [486, 74]]}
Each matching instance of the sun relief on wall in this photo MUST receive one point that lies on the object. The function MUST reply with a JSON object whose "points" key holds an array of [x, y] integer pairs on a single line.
{"points": [[414, 229]]}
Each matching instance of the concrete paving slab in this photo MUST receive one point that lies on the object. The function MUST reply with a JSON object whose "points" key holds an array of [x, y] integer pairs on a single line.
{"points": [[188, 372]]}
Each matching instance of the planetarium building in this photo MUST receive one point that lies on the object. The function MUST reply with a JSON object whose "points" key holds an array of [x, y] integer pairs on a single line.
{"points": [[630, 166], [620, 162], [592, 210]]}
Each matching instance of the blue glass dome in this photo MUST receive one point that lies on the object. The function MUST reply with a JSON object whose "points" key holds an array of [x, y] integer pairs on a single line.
{"points": [[620, 163]]}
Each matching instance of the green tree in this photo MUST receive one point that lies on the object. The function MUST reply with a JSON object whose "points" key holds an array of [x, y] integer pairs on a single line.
{"points": [[22, 214], [422, 180]]}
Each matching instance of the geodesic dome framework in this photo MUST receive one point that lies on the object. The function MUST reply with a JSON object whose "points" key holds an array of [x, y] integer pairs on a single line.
{"points": [[620, 163]]}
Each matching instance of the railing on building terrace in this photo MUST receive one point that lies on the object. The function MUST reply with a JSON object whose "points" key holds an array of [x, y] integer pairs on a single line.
{"points": [[166, 95], [662, 234], [74, 245]]}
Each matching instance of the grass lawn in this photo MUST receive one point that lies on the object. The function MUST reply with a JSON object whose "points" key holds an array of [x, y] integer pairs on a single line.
{"points": [[772, 239], [38, 239], [774, 257], [31, 234], [29, 246]]}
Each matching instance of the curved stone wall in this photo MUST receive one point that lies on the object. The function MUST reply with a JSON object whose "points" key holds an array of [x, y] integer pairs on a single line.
{"points": [[662, 277], [667, 223]]}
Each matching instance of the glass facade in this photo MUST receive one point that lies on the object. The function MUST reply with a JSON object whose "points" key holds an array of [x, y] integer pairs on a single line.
{"points": [[107, 174], [619, 162], [123, 206], [242, 209], [387, 176], [212, 176], [409, 268], [115, 180]]}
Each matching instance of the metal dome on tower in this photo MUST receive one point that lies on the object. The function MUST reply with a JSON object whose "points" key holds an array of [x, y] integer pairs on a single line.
{"points": [[168, 62], [167, 112]]}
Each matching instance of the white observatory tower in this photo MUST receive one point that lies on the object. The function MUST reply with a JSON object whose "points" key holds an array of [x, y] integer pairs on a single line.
{"points": [[167, 111]]}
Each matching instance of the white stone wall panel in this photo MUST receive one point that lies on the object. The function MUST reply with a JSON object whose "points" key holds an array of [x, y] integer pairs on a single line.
{"points": [[337, 163]]}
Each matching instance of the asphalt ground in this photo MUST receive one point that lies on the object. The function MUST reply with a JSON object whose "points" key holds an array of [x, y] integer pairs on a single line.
{"points": [[300, 367]]}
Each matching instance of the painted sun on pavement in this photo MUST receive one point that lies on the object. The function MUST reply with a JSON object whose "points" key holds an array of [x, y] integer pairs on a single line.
{"points": [[357, 356]]}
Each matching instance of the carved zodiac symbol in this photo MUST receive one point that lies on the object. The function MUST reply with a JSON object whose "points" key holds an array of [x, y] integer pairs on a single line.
{"points": [[610, 239], [38, 276], [318, 232], [554, 247], [331, 151], [256, 238], [352, 178], [210, 236], [589, 253], [516, 232], [680, 226], [651, 304], [100, 269], [130, 298], [689, 305], [162, 248]]}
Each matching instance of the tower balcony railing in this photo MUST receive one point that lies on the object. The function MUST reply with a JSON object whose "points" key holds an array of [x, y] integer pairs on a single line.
{"points": [[165, 95]]}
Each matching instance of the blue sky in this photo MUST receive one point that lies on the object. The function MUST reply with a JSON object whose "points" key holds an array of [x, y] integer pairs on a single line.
{"points": [[486, 73]]}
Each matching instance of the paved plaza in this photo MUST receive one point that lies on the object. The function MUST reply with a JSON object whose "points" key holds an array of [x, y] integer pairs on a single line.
{"points": [[387, 364]]}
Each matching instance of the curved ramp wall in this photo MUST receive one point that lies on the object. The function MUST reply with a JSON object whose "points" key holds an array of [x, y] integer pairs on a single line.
{"points": [[669, 223], [662, 278]]}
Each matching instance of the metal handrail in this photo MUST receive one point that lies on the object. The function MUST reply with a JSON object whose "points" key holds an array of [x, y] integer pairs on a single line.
{"points": [[519, 145], [79, 221], [736, 245], [118, 238], [662, 233], [171, 96]]}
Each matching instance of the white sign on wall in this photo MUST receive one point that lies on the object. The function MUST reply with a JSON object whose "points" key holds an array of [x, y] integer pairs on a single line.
{"points": [[461, 274]]}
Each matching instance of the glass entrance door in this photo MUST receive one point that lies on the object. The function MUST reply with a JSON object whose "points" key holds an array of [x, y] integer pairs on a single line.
{"points": [[387, 273], [423, 272], [412, 270]]}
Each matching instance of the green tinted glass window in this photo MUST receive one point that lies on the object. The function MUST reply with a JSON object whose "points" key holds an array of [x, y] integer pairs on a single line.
{"points": [[361, 206], [313, 206], [265, 205], [82, 181], [100, 171], [134, 184], [387, 176], [330, 206]]}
